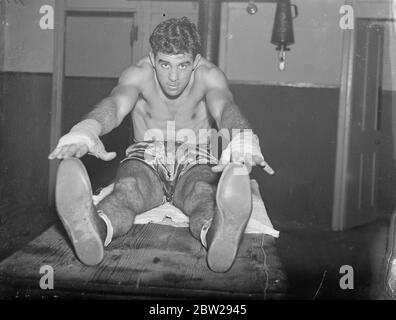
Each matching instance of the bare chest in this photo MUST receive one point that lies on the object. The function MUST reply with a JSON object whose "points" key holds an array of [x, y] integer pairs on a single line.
{"points": [[184, 112]]}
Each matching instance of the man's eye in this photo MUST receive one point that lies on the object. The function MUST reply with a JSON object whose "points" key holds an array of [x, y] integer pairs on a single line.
{"points": [[183, 66], [165, 65]]}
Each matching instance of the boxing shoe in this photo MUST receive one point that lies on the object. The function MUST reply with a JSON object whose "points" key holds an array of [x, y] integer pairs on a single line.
{"points": [[73, 194], [234, 203]]}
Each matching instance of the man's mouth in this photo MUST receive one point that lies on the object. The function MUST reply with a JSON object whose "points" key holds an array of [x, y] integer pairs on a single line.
{"points": [[172, 87]]}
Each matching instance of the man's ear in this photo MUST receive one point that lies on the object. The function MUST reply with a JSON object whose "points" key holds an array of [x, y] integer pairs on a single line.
{"points": [[196, 60], [152, 58]]}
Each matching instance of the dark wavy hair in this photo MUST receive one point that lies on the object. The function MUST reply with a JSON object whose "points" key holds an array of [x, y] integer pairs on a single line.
{"points": [[176, 36]]}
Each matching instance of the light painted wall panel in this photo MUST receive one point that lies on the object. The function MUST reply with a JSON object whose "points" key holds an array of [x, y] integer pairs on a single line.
{"points": [[160, 11], [28, 48], [246, 53], [98, 46], [315, 58]]}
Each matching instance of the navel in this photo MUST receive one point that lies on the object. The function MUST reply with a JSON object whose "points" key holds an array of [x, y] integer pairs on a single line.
{"points": [[193, 116], [148, 114]]}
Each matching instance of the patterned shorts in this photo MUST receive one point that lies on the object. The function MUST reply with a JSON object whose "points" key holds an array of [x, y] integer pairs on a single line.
{"points": [[170, 160]]}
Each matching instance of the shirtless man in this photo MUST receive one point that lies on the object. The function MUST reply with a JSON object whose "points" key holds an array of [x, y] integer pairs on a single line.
{"points": [[171, 90]]}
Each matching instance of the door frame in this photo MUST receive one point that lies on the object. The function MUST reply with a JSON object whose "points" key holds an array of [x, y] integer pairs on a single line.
{"points": [[345, 106], [343, 131], [61, 10]]}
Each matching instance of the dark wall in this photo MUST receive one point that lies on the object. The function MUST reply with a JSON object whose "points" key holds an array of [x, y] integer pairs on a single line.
{"points": [[297, 129], [24, 146], [25, 138], [298, 132]]}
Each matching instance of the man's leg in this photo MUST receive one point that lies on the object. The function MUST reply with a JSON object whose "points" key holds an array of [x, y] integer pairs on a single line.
{"points": [[218, 216], [195, 195], [136, 189]]}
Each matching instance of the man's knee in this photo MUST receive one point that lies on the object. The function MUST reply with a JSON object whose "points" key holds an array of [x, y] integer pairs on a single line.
{"points": [[144, 177], [127, 185], [200, 194], [133, 168], [128, 193], [203, 187]]}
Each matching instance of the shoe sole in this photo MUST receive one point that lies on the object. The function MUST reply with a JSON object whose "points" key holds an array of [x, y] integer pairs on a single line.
{"points": [[76, 211], [234, 202]]}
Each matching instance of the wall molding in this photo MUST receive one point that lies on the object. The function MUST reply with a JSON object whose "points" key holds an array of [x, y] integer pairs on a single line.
{"points": [[283, 84]]}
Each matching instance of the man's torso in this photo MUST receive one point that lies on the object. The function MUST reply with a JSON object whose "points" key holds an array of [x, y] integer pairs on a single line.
{"points": [[154, 110]]}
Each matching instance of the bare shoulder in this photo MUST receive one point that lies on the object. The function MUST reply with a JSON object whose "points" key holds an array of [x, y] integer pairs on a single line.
{"points": [[137, 74], [210, 75]]}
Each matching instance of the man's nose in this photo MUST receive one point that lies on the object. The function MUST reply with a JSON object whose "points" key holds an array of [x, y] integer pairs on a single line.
{"points": [[173, 76]]}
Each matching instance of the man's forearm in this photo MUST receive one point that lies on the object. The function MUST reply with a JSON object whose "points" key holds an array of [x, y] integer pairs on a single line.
{"points": [[232, 118], [105, 113]]}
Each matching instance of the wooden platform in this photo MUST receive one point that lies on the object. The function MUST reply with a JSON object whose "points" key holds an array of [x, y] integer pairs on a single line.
{"points": [[151, 261]]}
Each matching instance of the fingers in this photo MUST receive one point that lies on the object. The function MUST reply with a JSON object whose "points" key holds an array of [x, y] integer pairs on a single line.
{"points": [[82, 151], [250, 161], [107, 156], [219, 168], [100, 152], [68, 151], [54, 153], [62, 152], [266, 167]]}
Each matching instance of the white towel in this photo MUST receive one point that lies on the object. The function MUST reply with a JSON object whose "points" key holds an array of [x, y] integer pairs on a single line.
{"points": [[167, 214]]}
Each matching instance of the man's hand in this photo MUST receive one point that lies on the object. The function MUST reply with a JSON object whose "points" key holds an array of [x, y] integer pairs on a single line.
{"points": [[243, 148], [82, 139]]}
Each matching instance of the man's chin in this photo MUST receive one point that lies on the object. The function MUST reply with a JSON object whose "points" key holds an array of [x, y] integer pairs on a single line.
{"points": [[172, 94]]}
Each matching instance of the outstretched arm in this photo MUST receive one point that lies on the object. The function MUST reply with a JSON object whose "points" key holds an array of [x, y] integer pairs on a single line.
{"points": [[107, 115], [221, 103], [244, 146], [110, 112]]}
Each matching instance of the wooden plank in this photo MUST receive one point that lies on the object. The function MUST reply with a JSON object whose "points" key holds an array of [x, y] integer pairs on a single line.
{"points": [[151, 260], [18, 225]]}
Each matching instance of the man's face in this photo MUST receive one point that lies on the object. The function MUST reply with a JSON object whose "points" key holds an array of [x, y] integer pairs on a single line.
{"points": [[174, 71]]}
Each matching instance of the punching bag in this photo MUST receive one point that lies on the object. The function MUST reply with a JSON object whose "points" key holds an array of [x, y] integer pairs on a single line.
{"points": [[282, 31]]}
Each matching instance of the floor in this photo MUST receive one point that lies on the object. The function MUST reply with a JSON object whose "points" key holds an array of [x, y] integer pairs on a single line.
{"points": [[312, 259]]}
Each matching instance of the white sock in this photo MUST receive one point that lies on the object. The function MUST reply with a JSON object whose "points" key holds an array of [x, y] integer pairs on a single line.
{"points": [[110, 231], [204, 231]]}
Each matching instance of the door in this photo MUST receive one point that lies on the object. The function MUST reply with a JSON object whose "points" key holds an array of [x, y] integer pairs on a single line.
{"points": [[98, 43], [98, 48], [357, 167]]}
